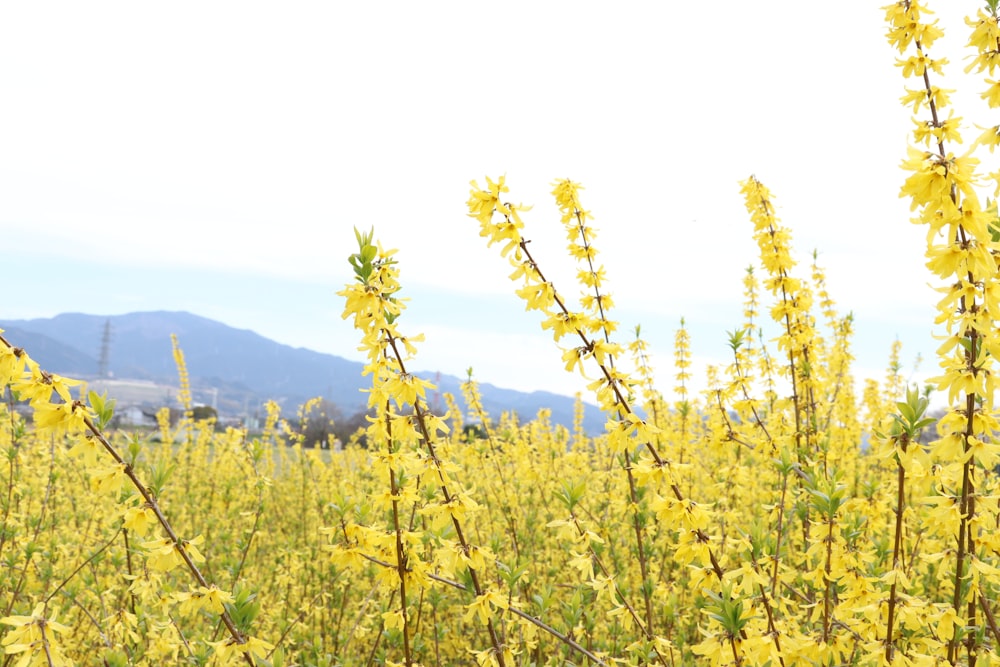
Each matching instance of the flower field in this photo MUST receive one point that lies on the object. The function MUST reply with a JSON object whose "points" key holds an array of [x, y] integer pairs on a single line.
{"points": [[787, 515]]}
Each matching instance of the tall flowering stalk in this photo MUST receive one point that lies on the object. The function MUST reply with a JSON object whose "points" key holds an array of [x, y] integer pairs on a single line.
{"points": [[597, 304], [902, 445], [791, 309], [580, 236], [627, 431], [791, 312], [961, 252], [375, 308], [682, 405], [809, 448], [184, 380], [653, 402], [473, 399], [372, 303], [835, 376]]}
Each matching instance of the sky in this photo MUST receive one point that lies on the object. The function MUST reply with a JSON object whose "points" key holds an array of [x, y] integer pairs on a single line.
{"points": [[215, 158]]}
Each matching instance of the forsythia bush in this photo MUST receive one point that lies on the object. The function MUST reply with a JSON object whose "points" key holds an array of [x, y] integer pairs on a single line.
{"points": [[777, 518]]}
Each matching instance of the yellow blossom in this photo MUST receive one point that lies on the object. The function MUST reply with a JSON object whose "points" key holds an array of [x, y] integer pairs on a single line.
{"points": [[480, 608], [139, 519], [109, 479], [162, 554]]}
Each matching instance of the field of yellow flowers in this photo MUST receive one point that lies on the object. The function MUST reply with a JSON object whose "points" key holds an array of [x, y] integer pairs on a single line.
{"points": [[746, 525]]}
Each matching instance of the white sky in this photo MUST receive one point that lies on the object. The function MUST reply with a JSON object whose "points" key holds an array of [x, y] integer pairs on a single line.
{"points": [[214, 157]]}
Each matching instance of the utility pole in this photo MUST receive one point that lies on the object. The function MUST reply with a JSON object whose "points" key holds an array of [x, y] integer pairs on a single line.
{"points": [[103, 358]]}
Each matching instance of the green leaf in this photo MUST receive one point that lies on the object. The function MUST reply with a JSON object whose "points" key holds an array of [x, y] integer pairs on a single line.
{"points": [[103, 407]]}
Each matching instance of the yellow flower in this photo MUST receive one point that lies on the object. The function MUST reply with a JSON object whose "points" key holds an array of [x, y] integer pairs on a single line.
{"points": [[406, 388], [60, 418], [621, 614], [109, 479], [992, 94], [223, 649], [944, 512], [189, 602], [480, 608], [162, 554], [393, 619], [33, 636], [348, 558], [947, 622], [482, 203], [13, 361], [567, 194], [986, 453], [928, 181], [139, 519], [87, 447], [916, 65], [537, 296], [985, 32], [215, 599], [714, 648], [191, 546], [563, 324], [584, 562]]}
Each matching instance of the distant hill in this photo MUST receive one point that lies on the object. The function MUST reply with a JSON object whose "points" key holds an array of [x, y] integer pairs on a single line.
{"points": [[56, 355], [244, 367]]}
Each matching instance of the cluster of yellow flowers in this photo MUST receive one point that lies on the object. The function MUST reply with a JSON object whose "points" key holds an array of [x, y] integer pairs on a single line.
{"points": [[775, 518], [108, 474]]}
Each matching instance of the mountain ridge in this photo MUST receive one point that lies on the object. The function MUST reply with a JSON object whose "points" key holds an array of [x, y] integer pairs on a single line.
{"points": [[240, 365]]}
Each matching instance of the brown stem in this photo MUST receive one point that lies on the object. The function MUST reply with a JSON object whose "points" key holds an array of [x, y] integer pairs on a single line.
{"points": [[771, 628], [538, 623], [45, 642], [828, 588], [621, 598], [597, 292], [418, 410], [476, 405], [633, 496], [147, 495], [897, 548], [753, 406], [737, 658], [12, 460], [401, 559], [991, 620], [128, 567], [967, 505], [82, 565], [38, 524], [640, 545]]}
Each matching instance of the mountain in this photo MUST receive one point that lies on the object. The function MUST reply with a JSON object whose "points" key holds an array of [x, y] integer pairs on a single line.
{"points": [[237, 367], [57, 355]]}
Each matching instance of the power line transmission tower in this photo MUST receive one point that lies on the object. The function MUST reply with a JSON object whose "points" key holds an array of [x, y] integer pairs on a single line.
{"points": [[103, 359]]}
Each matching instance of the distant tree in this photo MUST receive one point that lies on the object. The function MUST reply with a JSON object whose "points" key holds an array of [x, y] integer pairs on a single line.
{"points": [[203, 412], [473, 432], [929, 433], [175, 416], [346, 428], [319, 423]]}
